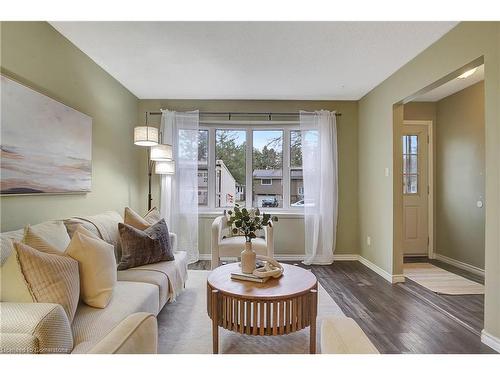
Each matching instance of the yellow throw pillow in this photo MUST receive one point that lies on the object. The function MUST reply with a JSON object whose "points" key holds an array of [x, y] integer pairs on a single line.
{"points": [[52, 233], [51, 278], [13, 286], [97, 264], [132, 218]]}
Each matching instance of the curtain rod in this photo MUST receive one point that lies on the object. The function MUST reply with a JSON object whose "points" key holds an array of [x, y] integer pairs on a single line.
{"points": [[229, 114]]}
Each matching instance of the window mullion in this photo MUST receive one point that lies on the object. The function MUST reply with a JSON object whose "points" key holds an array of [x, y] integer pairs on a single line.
{"points": [[286, 169], [211, 168], [249, 169]]}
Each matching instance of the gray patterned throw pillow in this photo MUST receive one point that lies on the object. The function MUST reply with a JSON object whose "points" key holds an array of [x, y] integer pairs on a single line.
{"points": [[140, 247]]}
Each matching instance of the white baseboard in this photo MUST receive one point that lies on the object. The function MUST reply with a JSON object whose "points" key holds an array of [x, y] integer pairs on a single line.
{"points": [[386, 275], [290, 257], [337, 257], [490, 340], [345, 257], [459, 264]]}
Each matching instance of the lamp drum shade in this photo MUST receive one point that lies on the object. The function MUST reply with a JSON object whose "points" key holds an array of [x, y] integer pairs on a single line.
{"points": [[145, 136], [161, 152], [165, 167]]}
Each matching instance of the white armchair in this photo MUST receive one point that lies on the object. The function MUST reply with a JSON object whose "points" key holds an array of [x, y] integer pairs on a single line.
{"points": [[224, 245]]}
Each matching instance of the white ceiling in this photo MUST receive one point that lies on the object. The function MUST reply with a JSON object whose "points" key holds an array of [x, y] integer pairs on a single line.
{"points": [[451, 87], [252, 60]]}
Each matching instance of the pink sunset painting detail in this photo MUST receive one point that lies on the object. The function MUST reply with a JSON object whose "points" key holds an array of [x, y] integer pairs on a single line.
{"points": [[46, 146]]}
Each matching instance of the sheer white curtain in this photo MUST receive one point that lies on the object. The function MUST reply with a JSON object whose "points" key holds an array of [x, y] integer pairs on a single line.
{"points": [[179, 192], [319, 163]]}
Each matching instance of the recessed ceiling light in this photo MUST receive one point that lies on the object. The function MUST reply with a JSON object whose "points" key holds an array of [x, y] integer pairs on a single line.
{"points": [[468, 73]]}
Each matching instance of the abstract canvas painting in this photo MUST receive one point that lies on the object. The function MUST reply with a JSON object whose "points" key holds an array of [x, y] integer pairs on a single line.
{"points": [[46, 146]]}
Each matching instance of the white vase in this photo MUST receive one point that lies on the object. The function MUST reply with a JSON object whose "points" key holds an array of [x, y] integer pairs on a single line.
{"points": [[248, 258]]}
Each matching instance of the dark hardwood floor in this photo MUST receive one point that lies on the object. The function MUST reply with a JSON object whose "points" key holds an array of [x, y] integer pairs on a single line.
{"points": [[468, 309], [401, 318]]}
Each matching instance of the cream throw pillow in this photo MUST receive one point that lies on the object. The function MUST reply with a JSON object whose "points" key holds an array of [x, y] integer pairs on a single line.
{"points": [[152, 216], [82, 230], [132, 218], [51, 278], [47, 237], [97, 264], [13, 286]]}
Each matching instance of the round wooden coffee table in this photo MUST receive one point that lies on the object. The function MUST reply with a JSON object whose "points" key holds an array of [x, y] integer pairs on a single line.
{"points": [[277, 307]]}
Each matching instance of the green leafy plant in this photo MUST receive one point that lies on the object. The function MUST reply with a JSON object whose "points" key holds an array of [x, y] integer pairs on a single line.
{"points": [[248, 222]]}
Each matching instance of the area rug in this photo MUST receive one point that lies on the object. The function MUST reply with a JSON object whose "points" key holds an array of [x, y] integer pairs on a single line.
{"points": [[439, 280], [184, 326]]}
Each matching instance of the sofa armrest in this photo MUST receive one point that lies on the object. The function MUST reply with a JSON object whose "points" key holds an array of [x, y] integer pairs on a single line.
{"points": [[136, 334], [34, 328]]}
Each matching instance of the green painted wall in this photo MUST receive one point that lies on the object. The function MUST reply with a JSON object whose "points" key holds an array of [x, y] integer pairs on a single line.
{"points": [[463, 44], [36, 55], [290, 232], [460, 171], [459, 153]]}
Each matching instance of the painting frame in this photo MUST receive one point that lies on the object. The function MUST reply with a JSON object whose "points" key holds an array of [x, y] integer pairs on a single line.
{"points": [[66, 168]]}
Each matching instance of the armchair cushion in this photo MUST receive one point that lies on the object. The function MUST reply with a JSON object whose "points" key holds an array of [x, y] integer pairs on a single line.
{"points": [[233, 246], [34, 328]]}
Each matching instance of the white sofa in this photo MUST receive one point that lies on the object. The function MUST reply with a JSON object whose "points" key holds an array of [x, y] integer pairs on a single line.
{"points": [[127, 325], [226, 245]]}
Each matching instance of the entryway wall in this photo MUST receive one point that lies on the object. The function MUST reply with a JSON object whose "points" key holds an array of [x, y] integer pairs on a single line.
{"points": [[459, 172]]}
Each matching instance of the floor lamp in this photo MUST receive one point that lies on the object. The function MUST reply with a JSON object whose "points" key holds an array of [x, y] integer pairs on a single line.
{"points": [[160, 156]]}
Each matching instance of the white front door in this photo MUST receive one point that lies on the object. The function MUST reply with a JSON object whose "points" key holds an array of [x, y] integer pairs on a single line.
{"points": [[415, 189]]}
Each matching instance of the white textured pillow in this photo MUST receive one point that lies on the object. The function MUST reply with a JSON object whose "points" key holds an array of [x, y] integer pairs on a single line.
{"points": [[97, 265], [49, 237]]}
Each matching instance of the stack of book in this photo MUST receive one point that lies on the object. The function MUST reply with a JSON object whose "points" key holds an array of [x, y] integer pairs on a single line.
{"points": [[248, 276]]}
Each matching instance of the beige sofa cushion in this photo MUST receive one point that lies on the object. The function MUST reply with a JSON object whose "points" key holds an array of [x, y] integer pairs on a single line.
{"points": [[34, 328], [51, 278], [97, 266], [137, 334], [91, 324], [176, 272], [47, 236], [151, 277]]}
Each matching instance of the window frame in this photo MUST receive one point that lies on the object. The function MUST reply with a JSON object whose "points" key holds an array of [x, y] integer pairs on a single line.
{"points": [[266, 179], [249, 126]]}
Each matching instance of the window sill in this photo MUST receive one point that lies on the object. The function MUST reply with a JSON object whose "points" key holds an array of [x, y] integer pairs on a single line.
{"points": [[280, 213]]}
